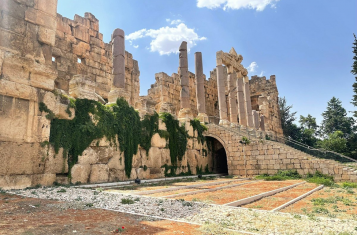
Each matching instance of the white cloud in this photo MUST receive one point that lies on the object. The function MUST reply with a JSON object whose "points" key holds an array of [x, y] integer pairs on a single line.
{"points": [[176, 21], [168, 20], [258, 5], [136, 46], [252, 67], [167, 40]]}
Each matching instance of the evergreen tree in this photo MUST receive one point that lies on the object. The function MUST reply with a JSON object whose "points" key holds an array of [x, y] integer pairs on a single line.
{"points": [[354, 72], [308, 122], [335, 119], [287, 118], [308, 130]]}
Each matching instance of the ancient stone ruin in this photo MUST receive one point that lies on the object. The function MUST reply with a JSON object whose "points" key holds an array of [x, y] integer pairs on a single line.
{"points": [[47, 61]]}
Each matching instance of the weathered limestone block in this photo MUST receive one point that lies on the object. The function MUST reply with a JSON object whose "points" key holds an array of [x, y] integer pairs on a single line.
{"points": [[43, 179], [117, 161], [88, 157], [137, 159], [82, 33], [80, 173], [157, 141], [81, 49], [99, 173], [154, 158], [116, 175], [165, 157], [46, 35], [40, 18], [54, 163], [81, 87], [15, 181], [142, 174]]}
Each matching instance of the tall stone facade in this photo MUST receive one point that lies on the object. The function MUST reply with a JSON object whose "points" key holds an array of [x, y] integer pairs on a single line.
{"points": [[45, 56]]}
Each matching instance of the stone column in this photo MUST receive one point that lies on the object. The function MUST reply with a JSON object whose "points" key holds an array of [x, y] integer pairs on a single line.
{"points": [[248, 104], [232, 89], [200, 87], [221, 97], [262, 123], [185, 111], [241, 102], [256, 119], [118, 51]]}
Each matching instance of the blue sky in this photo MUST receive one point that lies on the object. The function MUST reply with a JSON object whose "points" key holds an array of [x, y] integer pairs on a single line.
{"points": [[307, 44]]}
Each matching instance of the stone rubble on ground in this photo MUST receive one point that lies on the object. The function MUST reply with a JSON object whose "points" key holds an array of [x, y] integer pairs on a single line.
{"points": [[241, 219]]}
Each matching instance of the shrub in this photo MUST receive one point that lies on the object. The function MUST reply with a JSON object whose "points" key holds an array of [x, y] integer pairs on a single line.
{"points": [[281, 175], [349, 185], [319, 178], [127, 201]]}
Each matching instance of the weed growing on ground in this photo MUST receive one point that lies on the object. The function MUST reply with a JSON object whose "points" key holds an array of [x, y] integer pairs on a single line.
{"points": [[127, 201], [297, 216], [349, 185], [281, 175], [137, 199], [61, 191]]}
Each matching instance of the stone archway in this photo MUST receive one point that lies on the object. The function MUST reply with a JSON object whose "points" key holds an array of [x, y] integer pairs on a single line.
{"points": [[219, 155]]}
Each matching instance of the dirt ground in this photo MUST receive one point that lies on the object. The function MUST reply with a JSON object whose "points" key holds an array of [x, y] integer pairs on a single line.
{"points": [[329, 202], [30, 216], [232, 194], [272, 202]]}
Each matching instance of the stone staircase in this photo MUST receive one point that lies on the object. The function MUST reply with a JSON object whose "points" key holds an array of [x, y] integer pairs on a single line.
{"points": [[268, 157]]}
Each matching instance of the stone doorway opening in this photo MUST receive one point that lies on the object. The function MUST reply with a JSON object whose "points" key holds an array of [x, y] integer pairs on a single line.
{"points": [[219, 156]]}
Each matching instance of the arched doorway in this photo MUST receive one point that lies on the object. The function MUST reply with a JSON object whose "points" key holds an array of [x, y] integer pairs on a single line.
{"points": [[219, 156]]}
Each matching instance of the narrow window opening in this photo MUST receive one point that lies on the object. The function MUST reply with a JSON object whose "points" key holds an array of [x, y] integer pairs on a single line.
{"points": [[79, 60]]}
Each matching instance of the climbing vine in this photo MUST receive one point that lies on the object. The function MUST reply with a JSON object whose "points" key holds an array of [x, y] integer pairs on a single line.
{"points": [[197, 126], [119, 123], [177, 136], [149, 126], [94, 121]]}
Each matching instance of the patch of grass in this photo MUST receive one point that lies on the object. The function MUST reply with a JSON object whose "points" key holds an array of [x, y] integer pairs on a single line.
{"points": [[320, 210], [297, 216], [89, 205], [281, 175], [349, 185], [61, 191], [319, 178], [127, 201], [137, 199]]}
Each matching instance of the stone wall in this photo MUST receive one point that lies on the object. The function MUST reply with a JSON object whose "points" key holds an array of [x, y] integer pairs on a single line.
{"points": [[264, 95], [79, 49], [268, 157], [103, 163]]}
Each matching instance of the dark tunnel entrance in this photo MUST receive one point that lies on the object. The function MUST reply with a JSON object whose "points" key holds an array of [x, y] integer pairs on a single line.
{"points": [[219, 156]]}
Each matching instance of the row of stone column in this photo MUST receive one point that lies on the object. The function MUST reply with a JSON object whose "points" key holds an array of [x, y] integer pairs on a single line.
{"points": [[236, 85]]}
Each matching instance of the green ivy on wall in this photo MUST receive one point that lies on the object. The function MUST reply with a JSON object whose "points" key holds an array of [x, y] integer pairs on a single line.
{"points": [[119, 123], [177, 136]]}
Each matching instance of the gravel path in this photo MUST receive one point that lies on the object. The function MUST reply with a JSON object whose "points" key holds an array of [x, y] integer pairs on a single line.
{"points": [[254, 221]]}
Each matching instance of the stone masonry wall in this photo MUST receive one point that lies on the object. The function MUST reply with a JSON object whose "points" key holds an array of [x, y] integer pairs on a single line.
{"points": [[264, 95], [79, 49], [268, 157]]}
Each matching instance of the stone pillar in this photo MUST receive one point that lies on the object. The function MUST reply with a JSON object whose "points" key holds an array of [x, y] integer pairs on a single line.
{"points": [[241, 102], [185, 111], [248, 104], [118, 50], [232, 89], [200, 87], [262, 125], [221, 97], [118, 84], [256, 119]]}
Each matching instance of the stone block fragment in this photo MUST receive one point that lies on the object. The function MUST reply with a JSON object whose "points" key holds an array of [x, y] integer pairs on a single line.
{"points": [[80, 173], [99, 173]]}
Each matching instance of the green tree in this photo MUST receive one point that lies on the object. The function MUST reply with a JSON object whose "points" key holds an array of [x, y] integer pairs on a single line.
{"points": [[334, 142], [335, 119], [287, 117], [354, 72], [308, 130], [308, 122]]}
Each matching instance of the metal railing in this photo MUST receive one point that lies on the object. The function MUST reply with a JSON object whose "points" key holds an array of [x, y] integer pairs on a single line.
{"points": [[316, 152], [255, 134]]}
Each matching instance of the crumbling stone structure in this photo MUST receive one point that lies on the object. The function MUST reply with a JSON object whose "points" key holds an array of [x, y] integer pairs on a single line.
{"points": [[45, 57]]}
